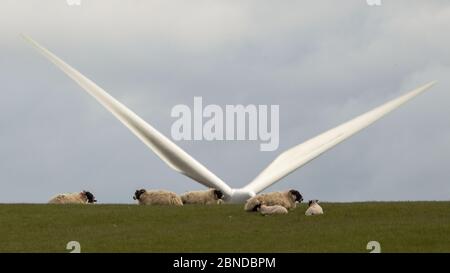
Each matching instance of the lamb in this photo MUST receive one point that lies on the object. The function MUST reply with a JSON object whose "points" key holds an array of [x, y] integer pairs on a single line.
{"points": [[208, 197], [269, 210], [83, 197], [159, 197], [313, 208], [286, 199]]}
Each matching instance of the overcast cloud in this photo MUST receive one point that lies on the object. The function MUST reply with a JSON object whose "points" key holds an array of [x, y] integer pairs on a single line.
{"points": [[323, 62]]}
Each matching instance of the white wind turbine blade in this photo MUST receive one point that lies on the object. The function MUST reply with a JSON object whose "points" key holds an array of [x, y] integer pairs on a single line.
{"points": [[301, 154], [168, 151]]}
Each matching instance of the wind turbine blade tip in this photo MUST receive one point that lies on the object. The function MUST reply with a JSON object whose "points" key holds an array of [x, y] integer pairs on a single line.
{"points": [[29, 40], [25, 37], [430, 84]]}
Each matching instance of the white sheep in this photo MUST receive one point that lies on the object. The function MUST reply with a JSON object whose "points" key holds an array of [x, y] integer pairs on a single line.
{"points": [[83, 197], [207, 197], [314, 208], [286, 199], [269, 210], [159, 197]]}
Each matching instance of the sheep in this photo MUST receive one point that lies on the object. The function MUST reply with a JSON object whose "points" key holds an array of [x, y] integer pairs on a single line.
{"points": [[286, 199], [208, 197], [269, 210], [159, 197], [313, 208], [83, 197]]}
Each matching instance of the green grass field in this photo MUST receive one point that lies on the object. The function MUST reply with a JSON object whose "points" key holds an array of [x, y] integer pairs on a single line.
{"points": [[345, 227]]}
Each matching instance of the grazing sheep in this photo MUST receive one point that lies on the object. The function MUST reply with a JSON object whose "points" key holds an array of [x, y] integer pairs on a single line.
{"points": [[160, 197], [269, 210], [314, 208], [286, 199], [208, 197], [83, 197]]}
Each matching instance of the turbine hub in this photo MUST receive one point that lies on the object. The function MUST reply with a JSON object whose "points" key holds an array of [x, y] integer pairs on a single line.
{"points": [[239, 196]]}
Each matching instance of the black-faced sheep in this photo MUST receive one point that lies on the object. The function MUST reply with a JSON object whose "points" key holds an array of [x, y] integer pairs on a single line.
{"points": [[159, 197], [286, 199], [83, 197], [269, 210], [207, 197], [313, 208]]}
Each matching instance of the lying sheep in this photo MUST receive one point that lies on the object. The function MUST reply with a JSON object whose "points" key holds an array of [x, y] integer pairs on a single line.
{"points": [[160, 197], [269, 210], [208, 197], [83, 197], [314, 208], [286, 199]]}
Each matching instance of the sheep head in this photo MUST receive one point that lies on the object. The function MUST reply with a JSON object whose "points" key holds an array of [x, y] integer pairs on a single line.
{"points": [[311, 202], [296, 195], [257, 207], [89, 196], [138, 193], [218, 194]]}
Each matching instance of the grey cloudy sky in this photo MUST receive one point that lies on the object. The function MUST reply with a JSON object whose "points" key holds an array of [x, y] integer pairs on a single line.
{"points": [[323, 62]]}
